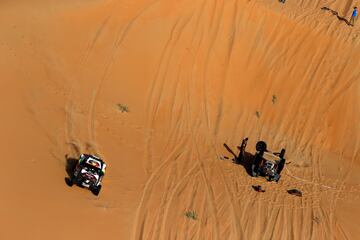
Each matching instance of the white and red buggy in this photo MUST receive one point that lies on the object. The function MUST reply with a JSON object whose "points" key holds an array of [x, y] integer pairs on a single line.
{"points": [[89, 172], [264, 163]]}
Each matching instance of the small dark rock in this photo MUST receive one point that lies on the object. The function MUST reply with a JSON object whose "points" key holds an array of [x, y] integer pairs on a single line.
{"points": [[295, 192], [258, 188]]}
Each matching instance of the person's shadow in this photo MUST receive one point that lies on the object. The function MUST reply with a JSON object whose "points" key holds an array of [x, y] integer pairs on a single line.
{"points": [[246, 160], [335, 13]]}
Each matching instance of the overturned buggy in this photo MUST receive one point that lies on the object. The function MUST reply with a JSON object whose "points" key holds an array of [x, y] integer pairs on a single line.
{"points": [[88, 173], [264, 162]]}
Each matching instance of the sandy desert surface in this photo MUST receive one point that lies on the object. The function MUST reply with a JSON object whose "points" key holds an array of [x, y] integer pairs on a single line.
{"points": [[194, 75]]}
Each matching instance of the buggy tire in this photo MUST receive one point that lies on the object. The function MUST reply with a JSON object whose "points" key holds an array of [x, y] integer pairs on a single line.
{"points": [[282, 153], [280, 166], [282, 161], [69, 182], [277, 177], [277, 180], [261, 146], [78, 180], [96, 190]]}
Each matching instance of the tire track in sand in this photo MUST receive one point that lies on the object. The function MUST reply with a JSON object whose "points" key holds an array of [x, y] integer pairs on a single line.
{"points": [[237, 228], [152, 105], [118, 41], [154, 113], [90, 140], [69, 106], [155, 90]]}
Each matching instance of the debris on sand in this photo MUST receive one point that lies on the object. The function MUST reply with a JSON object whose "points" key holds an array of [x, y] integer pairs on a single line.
{"points": [[316, 220], [274, 98], [191, 214], [295, 192], [258, 188], [123, 108]]}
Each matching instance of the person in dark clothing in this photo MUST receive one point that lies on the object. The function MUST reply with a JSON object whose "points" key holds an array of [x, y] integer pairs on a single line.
{"points": [[353, 17]]}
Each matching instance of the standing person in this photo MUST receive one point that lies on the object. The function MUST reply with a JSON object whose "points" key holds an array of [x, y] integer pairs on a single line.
{"points": [[353, 16]]}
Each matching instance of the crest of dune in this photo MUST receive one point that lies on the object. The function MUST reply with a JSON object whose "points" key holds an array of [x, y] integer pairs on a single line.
{"points": [[189, 77]]}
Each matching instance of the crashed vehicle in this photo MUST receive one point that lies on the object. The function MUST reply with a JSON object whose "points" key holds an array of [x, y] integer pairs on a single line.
{"points": [[88, 173], [264, 163]]}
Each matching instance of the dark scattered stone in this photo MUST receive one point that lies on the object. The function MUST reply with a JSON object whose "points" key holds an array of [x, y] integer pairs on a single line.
{"points": [[258, 188], [295, 192]]}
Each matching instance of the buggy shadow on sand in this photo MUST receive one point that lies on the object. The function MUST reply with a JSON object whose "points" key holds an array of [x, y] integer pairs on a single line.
{"points": [[263, 163], [246, 162], [70, 168]]}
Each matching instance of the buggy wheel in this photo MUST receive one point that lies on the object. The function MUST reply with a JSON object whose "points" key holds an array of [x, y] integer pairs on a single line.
{"points": [[96, 190], [277, 178], [280, 166], [69, 182], [78, 181], [261, 146], [282, 153], [282, 161]]}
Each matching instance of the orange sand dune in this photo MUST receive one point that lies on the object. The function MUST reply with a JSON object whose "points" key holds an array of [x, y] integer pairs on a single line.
{"points": [[194, 75]]}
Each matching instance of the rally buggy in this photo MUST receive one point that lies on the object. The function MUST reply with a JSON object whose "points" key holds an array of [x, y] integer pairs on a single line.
{"points": [[264, 163], [88, 173]]}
